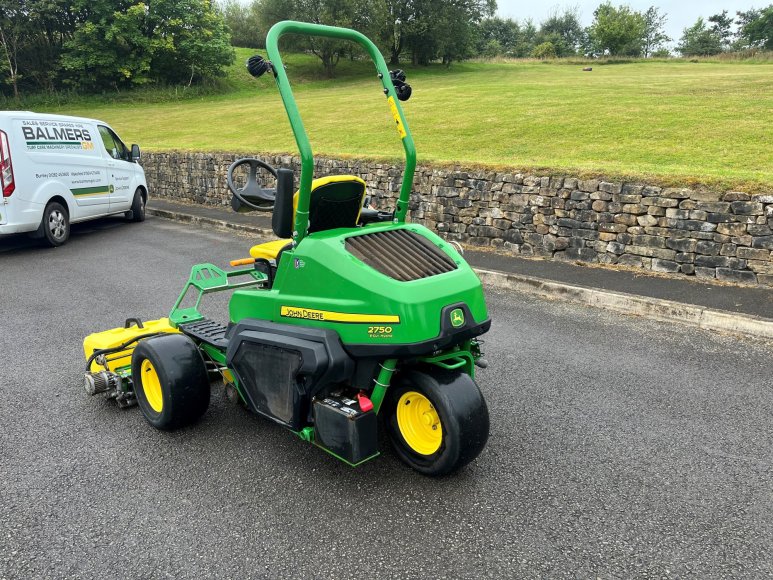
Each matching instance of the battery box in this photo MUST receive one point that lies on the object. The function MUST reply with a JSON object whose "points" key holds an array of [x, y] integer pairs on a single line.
{"points": [[342, 428], [117, 336]]}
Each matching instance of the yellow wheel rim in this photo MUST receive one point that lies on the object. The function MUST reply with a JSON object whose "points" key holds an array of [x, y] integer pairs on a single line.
{"points": [[151, 386], [419, 423]]}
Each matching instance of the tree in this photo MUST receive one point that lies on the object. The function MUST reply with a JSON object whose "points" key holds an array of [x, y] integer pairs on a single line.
{"points": [[13, 36], [563, 31], [755, 28], [721, 24], [544, 51], [654, 34], [617, 31], [127, 43], [244, 23], [698, 40]]}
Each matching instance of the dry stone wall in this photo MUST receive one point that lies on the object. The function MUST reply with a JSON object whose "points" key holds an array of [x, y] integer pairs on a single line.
{"points": [[672, 230]]}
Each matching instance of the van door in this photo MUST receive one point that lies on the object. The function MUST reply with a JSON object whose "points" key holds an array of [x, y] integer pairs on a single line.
{"points": [[63, 156], [120, 170]]}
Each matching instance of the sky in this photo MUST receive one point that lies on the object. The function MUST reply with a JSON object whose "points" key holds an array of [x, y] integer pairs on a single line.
{"points": [[681, 14]]}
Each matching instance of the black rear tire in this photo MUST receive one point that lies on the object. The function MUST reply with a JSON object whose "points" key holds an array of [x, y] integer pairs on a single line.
{"points": [[55, 225], [452, 404], [170, 381], [137, 213]]}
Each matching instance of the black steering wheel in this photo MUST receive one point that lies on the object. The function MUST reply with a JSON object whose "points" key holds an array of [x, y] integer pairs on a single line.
{"points": [[252, 194]]}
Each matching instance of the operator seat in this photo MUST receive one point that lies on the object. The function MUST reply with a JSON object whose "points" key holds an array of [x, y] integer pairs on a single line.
{"points": [[336, 202]]}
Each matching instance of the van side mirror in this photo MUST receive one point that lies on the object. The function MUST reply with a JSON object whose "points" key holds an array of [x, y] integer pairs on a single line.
{"points": [[282, 219], [135, 152]]}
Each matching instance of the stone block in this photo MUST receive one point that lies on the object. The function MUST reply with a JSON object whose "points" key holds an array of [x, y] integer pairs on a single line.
{"points": [[661, 253], [728, 250], [687, 269], [746, 207], [719, 262], [759, 230], [649, 241], [763, 242], [713, 206], [685, 258], [627, 198], [607, 236], [610, 187], [695, 225], [665, 202], [682, 244], [731, 229], [676, 193], [765, 279], [759, 267], [584, 254], [513, 236], [588, 185], [634, 208], [601, 196], [646, 220], [629, 260], [625, 219], [615, 248], [599, 205], [664, 266], [742, 276], [656, 211], [633, 189], [708, 248], [705, 272], [736, 196], [677, 214], [579, 195], [647, 191], [754, 254]]}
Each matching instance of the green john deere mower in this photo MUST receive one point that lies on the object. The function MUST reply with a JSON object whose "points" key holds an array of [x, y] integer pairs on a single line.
{"points": [[352, 313]]}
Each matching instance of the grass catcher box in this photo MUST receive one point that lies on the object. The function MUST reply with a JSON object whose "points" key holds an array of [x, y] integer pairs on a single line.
{"points": [[343, 429]]}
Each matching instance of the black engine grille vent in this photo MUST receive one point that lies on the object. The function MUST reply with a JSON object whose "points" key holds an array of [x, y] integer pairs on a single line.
{"points": [[400, 254]]}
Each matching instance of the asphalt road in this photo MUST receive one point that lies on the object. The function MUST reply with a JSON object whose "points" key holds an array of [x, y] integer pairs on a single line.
{"points": [[619, 448]]}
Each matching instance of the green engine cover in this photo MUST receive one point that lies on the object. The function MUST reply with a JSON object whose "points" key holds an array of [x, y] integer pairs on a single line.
{"points": [[322, 283]]}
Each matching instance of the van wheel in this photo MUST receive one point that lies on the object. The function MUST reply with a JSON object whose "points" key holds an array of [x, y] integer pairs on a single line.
{"points": [[55, 225], [137, 213]]}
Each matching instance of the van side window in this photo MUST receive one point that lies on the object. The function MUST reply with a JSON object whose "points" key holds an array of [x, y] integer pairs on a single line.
{"points": [[114, 146]]}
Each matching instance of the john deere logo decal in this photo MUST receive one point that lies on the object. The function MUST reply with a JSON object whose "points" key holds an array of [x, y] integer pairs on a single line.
{"points": [[457, 317]]}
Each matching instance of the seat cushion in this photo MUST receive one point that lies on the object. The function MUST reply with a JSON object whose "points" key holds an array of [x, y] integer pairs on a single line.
{"points": [[268, 250]]}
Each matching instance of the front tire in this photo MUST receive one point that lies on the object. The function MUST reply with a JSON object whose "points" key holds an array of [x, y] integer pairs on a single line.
{"points": [[55, 225], [437, 420], [137, 213], [170, 381]]}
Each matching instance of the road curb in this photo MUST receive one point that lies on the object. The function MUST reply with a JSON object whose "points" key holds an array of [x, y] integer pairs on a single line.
{"points": [[652, 308], [620, 302]]}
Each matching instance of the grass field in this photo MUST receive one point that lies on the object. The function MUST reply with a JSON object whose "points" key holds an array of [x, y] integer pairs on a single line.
{"points": [[677, 123]]}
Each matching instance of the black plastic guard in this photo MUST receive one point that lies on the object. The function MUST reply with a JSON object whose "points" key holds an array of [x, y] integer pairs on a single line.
{"points": [[281, 367]]}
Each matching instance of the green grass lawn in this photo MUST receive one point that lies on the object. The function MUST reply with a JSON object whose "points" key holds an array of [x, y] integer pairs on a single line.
{"points": [[677, 123]]}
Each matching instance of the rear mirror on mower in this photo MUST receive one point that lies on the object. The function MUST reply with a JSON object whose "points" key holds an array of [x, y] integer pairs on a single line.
{"points": [[282, 219], [402, 88]]}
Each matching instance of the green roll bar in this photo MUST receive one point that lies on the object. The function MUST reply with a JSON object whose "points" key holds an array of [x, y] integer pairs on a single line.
{"points": [[301, 138]]}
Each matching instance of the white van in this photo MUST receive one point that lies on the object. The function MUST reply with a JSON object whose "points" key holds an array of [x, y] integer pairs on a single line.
{"points": [[57, 170]]}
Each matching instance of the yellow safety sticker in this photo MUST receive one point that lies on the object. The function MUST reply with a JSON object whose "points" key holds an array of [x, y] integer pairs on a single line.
{"points": [[396, 116], [328, 316]]}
